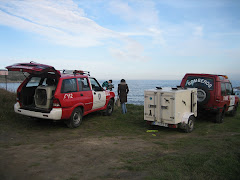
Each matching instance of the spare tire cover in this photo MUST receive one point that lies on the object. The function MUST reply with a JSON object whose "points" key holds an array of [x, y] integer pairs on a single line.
{"points": [[203, 95]]}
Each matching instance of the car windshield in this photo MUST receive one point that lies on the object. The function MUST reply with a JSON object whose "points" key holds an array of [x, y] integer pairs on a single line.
{"points": [[194, 81]]}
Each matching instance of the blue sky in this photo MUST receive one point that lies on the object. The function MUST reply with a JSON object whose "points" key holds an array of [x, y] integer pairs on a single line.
{"points": [[144, 39]]}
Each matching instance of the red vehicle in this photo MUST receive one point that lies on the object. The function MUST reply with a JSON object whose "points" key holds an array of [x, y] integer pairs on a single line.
{"points": [[46, 93], [215, 94]]}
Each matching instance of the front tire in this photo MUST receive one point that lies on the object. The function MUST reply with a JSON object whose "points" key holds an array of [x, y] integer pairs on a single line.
{"points": [[109, 109], [75, 119], [190, 125], [234, 111], [220, 116]]}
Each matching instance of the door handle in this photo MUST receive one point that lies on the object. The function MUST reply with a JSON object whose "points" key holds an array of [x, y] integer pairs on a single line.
{"points": [[94, 92], [81, 94]]}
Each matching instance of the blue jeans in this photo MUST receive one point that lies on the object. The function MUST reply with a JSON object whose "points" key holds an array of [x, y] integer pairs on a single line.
{"points": [[124, 108]]}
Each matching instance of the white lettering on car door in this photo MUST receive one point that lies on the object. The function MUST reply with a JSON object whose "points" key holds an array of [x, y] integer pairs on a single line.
{"points": [[68, 96]]}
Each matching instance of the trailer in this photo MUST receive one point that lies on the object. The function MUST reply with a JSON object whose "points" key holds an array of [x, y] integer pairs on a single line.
{"points": [[171, 107]]}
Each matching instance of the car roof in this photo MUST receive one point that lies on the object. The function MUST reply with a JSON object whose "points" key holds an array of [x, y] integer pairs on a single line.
{"points": [[218, 77]]}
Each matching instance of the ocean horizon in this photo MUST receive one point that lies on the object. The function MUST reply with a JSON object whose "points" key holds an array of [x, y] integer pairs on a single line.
{"points": [[136, 87]]}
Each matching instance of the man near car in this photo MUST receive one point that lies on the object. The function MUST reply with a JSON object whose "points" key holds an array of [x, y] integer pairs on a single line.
{"points": [[108, 85]]}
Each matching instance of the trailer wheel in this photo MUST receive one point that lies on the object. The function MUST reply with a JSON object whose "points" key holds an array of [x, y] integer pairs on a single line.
{"points": [[190, 125], [75, 119]]}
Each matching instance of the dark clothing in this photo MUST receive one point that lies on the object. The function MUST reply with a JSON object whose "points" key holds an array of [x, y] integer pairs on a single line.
{"points": [[105, 84], [122, 92]]}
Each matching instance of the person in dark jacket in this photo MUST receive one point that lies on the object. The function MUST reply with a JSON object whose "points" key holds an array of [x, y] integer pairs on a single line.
{"points": [[122, 93]]}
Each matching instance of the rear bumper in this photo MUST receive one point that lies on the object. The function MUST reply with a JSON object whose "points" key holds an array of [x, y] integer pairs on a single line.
{"points": [[54, 114], [202, 110]]}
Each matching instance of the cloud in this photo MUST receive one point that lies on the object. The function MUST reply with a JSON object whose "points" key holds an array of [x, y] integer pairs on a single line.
{"points": [[138, 12], [132, 52], [60, 22], [142, 17]]}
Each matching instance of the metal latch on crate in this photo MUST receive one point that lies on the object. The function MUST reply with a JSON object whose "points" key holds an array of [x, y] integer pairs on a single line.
{"points": [[152, 106], [164, 107]]}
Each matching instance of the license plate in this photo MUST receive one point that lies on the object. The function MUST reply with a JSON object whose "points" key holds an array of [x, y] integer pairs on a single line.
{"points": [[159, 124]]}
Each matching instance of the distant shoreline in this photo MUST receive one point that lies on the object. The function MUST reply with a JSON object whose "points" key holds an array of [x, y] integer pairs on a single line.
{"points": [[9, 81]]}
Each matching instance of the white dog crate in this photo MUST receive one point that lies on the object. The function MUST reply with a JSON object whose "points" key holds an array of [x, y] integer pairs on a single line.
{"points": [[171, 107], [43, 96]]}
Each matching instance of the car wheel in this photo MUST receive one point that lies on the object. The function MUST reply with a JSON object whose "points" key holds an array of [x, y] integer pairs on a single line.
{"points": [[234, 111], [109, 109], [190, 125], [75, 119], [203, 95], [220, 116]]}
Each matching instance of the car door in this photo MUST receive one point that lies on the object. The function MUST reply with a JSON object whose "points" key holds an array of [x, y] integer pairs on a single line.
{"points": [[99, 95], [69, 93], [85, 92], [230, 95]]}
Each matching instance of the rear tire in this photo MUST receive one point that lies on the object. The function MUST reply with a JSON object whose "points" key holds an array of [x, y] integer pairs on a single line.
{"points": [[75, 119], [190, 125]]}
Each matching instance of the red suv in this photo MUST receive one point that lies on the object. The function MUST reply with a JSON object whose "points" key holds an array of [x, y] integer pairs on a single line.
{"points": [[215, 94], [48, 94]]}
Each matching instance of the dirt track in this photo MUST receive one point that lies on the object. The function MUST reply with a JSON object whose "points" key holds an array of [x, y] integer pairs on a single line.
{"points": [[88, 158]]}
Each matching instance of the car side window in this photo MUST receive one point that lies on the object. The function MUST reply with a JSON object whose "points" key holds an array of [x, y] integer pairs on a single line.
{"points": [[95, 85], [83, 84], [69, 85], [223, 89], [229, 89]]}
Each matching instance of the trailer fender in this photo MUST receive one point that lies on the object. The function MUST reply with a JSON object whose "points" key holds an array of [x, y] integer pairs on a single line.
{"points": [[186, 117]]}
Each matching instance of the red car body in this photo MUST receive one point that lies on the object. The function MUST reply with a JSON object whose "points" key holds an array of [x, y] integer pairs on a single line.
{"points": [[215, 93], [71, 92]]}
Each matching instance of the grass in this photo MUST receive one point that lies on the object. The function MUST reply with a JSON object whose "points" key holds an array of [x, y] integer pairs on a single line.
{"points": [[211, 151]]}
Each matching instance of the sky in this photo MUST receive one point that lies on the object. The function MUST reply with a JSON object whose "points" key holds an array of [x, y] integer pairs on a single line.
{"points": [[130, 39]]}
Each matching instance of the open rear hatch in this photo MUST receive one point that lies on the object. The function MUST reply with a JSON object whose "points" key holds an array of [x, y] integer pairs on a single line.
{"points": [[36, 92], [33, 68]]}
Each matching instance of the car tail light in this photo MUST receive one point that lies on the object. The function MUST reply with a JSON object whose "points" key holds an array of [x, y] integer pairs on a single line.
{"points": [[56, 103], [172, 125], [18, 99]]}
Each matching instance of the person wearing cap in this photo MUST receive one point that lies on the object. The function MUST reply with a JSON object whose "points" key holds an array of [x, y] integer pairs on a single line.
{"points": [[122, 93]]}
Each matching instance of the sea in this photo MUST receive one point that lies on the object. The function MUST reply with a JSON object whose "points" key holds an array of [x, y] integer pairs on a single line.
{"points": [[136, 87]]}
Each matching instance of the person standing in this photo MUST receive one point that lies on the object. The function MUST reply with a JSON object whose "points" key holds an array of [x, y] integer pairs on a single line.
{"points": [[122, 93]]}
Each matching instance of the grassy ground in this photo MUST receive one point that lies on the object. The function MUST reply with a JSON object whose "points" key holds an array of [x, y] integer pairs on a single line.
{"points": [[118, 145]]}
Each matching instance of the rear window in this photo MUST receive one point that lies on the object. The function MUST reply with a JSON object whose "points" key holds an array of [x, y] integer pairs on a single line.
{"points": [[194, 82]]}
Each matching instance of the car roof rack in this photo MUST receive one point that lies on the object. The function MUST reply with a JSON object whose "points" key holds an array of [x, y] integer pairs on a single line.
{"points": [[75, 72], [81, 72]]}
